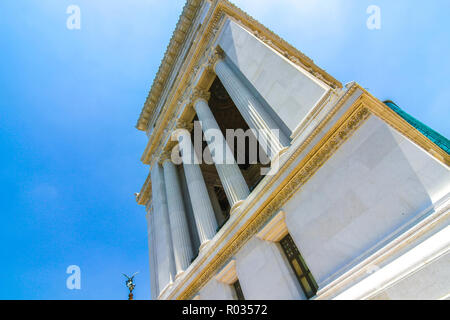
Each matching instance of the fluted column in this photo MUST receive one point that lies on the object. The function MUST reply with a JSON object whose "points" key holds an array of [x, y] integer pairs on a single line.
{"points": [[178, 221], [152, 253], [250, 108], [161, 231], [205, 219], [230, 175], [220, 218]]}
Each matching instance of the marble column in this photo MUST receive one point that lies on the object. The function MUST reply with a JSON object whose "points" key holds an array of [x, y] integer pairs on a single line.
{"points": [[177, 215], [269, 135], [220, 217], [230, 175], [163, 247], [152, 253], [205, 219]]}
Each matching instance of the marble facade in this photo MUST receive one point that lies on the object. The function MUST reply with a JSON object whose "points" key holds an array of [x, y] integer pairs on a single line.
{"points": [[364, 195]]}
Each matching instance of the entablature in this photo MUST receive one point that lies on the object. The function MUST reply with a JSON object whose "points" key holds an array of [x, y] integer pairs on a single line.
{"points": [[206, 35]]}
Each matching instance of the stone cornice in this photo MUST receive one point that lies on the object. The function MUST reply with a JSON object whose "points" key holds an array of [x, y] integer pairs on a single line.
{"points": [[218, 9]]}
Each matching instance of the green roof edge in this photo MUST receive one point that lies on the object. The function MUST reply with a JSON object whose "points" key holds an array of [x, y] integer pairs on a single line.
{"points": [[438, 139]]}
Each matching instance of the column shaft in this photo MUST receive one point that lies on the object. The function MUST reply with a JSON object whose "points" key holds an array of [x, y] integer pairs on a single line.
{"points": [[230, 175], [178, 221], [152, 254], [220, 218], [269, 135], [201, 204], [162, 244]]}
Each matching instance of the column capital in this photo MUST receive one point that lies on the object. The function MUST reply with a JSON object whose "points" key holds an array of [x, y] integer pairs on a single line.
{"points": [[165, 156], [198, 94], [182, 127], [217, 54], [177, 133], [182, 124], [178, 220]]}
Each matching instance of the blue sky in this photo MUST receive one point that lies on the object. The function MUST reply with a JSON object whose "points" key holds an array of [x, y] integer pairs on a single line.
{"points": [[69, 100]]}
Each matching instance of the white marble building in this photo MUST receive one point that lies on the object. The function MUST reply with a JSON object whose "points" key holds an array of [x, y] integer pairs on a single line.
{"points": [[358, 207]]}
